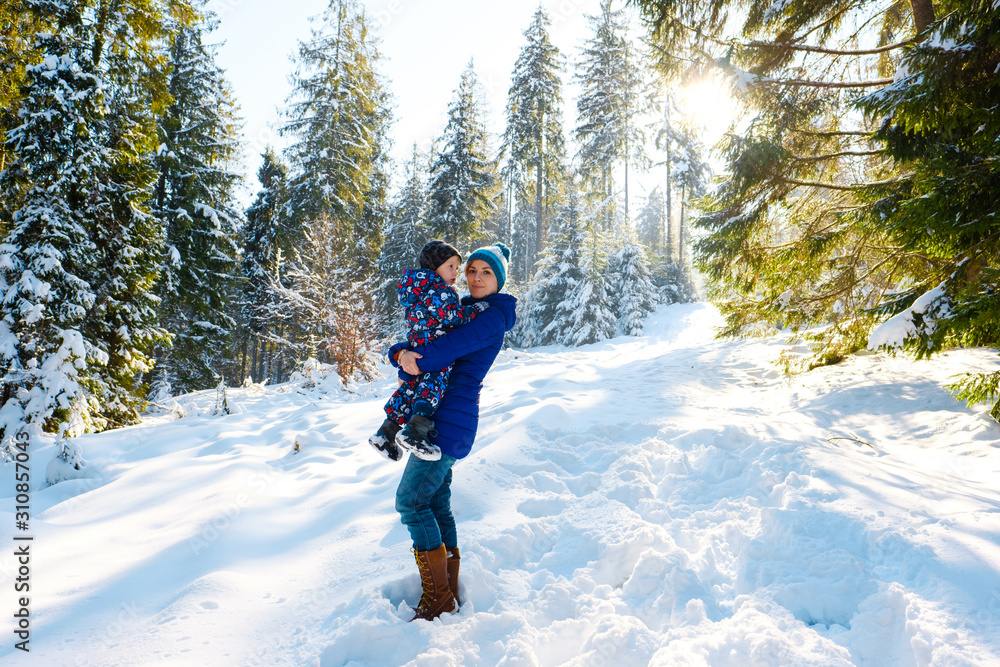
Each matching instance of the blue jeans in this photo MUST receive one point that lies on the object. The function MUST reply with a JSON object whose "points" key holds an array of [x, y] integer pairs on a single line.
{"points": [[423, 500]]}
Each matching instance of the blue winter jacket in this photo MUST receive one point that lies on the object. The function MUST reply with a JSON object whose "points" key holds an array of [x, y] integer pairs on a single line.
{"points": [[472, 348]]}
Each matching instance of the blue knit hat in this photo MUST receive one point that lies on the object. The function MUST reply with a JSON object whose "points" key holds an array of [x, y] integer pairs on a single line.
{"points": [[497, 256]]}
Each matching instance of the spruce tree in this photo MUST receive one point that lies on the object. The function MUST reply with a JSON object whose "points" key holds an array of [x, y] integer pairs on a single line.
{"points": [[939, 123], [523, 222], [784, 234], [338, 120], [544, 319], [265, 241], [463, 177], [533, 141], [44, 260], [195, 197], [651, 222], [79, 251], [18, 27], [607, 130], [335, 297], [127, 238], [589, 308], [632, 288], [690, 173], [405, 234]]}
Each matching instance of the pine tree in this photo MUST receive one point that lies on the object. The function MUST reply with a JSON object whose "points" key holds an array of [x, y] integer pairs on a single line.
{"points": [[338, 119], [544, 319], [462, 185], [651, 222], [939, 124], [195, 197], [404, 237], [607, 130], [785, 238], [77, 320], [690, 174], [533, 140], [631, 285], [265, 240]]}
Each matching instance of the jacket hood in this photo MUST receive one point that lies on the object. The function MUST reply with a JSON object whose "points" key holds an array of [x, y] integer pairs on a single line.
{"points": [[503, 302]]}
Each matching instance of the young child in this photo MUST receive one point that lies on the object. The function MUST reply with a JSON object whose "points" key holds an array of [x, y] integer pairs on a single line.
{"points": [[432, 308]]}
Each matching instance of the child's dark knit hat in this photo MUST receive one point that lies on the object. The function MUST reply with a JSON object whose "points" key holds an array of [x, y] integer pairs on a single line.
{"points": [[435, 253]]}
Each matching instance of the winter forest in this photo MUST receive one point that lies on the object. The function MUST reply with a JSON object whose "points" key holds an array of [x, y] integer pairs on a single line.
{"points": [[852, 202]]}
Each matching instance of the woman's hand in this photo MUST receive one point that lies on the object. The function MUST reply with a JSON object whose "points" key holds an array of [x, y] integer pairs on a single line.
{"points": [[407, 360]]}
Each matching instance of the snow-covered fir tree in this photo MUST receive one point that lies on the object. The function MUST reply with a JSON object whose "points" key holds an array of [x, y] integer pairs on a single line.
{"points": [[336, 298], [543, 319], [672, 282], [522, 223], [406, 233], [607, 131], [195, 198], [18, 49], [589, 307], [632, 288], [128, 239], [78, 258], [45, 257], [691, 173], [338, 118], [463, 177], [265, 241], [533, 148], [651, 221]]}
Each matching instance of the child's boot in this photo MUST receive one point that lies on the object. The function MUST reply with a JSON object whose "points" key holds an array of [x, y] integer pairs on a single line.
{"points": [[384, 440], [414, 436]]}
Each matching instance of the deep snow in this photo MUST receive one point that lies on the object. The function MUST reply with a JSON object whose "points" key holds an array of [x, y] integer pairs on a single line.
{"points": [[669, 499]]}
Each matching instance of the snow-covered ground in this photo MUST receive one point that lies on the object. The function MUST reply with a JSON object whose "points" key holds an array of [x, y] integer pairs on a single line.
{"points": [[669, 499]]}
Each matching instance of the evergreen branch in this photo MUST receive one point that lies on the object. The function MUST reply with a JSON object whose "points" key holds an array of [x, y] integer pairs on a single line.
{"points": [[803, 83], [831, 156], [896, 258], [835, 52], [833, 133], [848, 188]]}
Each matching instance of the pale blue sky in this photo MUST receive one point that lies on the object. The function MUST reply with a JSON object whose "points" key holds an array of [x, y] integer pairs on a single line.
{"points": [[426, 46]]}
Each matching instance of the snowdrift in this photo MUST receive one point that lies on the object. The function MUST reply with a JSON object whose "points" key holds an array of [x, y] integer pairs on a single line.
{"points": [[667, 499]]}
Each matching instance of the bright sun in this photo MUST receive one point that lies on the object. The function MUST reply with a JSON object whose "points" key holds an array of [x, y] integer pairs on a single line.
{"points": [[707, 103]]}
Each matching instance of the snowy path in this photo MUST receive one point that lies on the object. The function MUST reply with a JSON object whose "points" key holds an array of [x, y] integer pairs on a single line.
{"points": [[669, 500]]}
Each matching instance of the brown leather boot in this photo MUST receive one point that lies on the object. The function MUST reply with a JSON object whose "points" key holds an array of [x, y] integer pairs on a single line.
{"points": [[437, 598], [454, 561]]}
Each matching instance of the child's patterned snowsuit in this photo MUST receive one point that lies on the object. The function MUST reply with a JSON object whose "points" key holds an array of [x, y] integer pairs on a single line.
{"points": [[432, 309]]}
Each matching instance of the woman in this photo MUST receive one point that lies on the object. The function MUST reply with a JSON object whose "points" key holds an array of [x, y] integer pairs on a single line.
{"points": [[423, 498]]}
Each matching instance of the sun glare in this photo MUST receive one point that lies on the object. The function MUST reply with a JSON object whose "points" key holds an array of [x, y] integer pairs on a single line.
{"points": [[708, 104]]}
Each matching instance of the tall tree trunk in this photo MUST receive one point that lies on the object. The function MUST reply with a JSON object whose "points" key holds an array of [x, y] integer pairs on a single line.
{"points": [[670, 212], [923, 14], [97, 51], [538, 217], [626, 192], [680, 230]]}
